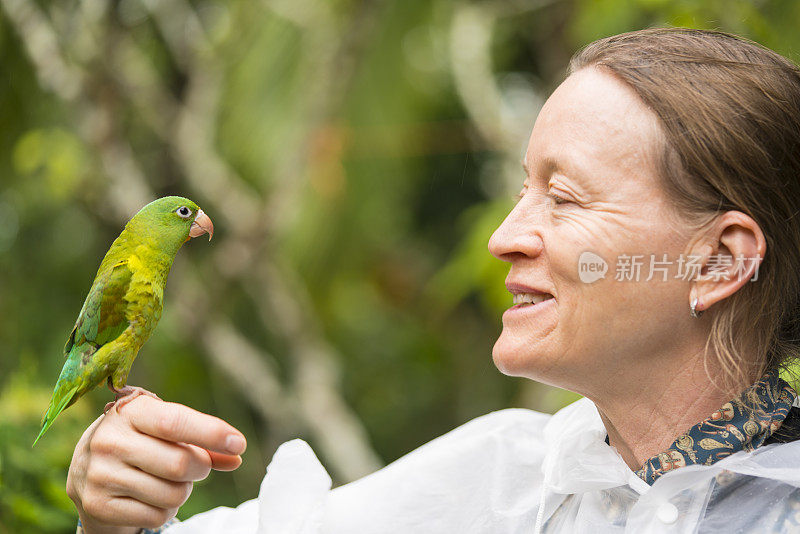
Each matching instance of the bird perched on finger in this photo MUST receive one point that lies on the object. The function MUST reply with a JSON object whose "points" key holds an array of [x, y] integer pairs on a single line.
{"points": [[124, 303]]}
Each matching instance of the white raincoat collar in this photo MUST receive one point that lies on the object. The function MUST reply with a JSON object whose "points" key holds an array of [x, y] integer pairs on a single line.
{"points": [[578, 462]]}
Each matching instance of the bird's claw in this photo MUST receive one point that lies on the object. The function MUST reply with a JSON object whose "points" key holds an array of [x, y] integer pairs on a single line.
{"points": [[127, 394]]}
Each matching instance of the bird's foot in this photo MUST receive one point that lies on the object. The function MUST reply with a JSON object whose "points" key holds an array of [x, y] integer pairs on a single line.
{"points": [[127, 394]]}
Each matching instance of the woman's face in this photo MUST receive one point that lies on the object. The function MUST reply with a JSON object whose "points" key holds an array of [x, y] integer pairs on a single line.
{"points": [[593, 146]]}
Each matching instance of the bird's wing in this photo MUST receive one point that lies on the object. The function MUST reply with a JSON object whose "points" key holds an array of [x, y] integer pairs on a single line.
{"points": [[102, 317]]}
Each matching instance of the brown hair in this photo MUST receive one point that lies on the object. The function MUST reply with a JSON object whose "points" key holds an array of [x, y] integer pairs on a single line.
{"points": [[730, 113]]}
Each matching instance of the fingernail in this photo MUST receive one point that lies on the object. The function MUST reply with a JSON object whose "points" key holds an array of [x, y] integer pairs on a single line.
{"points": [[235, 444]]}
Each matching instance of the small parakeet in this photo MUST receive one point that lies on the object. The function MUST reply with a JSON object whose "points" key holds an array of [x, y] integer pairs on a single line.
{"points": [[124, 303]]}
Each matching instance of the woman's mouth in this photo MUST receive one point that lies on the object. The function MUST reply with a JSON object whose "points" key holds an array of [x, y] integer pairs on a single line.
{"points": [[528, 303], [530, 298]]}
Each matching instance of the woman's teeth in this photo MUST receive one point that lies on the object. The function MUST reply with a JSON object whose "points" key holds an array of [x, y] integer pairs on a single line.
{"points": [[530, 298]]}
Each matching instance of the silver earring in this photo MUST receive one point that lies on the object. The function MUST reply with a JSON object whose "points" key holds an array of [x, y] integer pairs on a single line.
{"points": [[693, 309]]}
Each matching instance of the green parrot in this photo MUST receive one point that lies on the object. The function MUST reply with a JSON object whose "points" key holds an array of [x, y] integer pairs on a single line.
{"points": [[124, 303]]}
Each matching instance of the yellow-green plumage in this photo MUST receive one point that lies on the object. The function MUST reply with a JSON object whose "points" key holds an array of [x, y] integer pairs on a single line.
{"points": [[125, 301]]}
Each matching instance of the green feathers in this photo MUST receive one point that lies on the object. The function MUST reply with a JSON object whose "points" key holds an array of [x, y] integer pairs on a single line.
{"points": [[125, 301], [58, 403]]}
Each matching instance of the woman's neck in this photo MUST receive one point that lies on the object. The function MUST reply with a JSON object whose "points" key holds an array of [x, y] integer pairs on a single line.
{"points": [[644, 417]]}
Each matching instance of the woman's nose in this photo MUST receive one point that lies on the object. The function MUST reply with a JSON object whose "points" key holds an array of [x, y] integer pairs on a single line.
{"points": [[517, 235]]}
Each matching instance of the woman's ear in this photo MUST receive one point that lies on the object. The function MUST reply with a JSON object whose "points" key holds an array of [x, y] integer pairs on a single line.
{"points": [[731, 254]]}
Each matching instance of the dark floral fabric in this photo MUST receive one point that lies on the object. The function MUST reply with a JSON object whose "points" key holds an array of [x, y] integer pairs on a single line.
{"points": [[789, 430], [757, 417]]}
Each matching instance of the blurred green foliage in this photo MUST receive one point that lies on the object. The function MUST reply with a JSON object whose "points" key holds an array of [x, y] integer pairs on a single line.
{"points": [[353, 125]]}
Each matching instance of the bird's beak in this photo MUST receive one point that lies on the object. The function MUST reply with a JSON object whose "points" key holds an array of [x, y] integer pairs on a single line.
{"points": [[201, 225]]}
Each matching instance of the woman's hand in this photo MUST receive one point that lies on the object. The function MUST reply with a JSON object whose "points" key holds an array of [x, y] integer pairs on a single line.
{"points": [[135, 467]]}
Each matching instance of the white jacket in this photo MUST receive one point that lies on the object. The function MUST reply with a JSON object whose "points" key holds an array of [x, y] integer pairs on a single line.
{"points": [[519, 471]]}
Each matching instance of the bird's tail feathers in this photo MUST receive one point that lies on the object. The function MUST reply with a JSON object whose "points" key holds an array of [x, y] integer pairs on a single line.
{"points": [[57, 405]]}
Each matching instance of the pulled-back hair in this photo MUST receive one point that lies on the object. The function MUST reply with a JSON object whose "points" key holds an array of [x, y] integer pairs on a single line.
{"points": [[729, 110]]}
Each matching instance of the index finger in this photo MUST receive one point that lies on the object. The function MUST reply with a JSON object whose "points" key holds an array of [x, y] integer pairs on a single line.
{"points": [[175, 422]]}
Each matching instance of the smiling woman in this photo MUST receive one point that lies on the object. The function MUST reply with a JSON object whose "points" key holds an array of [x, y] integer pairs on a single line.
{"points": [[668, 165]]}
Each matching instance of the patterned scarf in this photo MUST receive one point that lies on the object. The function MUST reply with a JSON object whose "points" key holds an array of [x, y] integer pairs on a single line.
{"points": [[742, 424]]}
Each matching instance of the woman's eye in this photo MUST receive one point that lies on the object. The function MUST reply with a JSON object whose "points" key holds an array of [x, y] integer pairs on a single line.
{"points": [[183, 211], [557, 199]]}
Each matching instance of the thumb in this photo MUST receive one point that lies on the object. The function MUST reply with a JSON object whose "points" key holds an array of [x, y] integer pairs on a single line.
{"points": [[224, 462], [218, 460]]}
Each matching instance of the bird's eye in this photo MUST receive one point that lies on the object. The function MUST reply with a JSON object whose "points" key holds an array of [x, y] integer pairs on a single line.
{"points": [[184, 212]]}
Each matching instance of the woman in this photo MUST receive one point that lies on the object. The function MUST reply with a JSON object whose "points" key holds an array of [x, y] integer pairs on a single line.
{"points": [[655, 269]]}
